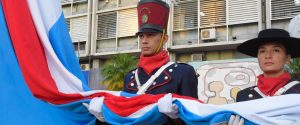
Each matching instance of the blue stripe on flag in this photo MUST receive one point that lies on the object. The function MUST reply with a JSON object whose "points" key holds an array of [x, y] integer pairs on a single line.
{"points": [[153, 117], [126, 94], [214, 118], [62, 44]]}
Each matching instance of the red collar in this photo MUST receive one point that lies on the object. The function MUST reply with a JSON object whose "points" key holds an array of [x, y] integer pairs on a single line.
{"points": [[149, 64], [269, 86]]}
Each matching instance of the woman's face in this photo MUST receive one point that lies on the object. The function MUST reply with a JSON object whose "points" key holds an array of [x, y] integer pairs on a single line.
{"points": [[272, 57]]}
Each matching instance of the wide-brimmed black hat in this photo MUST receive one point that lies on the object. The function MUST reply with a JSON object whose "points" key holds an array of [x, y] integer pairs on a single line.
{"points": [[291, 44]]}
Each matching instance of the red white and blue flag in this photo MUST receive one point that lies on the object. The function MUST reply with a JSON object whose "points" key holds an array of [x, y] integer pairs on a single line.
{"points": [[41, 82]]}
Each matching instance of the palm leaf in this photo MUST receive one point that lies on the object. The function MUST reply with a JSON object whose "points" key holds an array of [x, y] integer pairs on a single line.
{"points": [[115, 70]]}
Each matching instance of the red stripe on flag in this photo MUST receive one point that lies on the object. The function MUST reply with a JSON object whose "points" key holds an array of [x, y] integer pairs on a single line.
{"points": [[126, 106]]}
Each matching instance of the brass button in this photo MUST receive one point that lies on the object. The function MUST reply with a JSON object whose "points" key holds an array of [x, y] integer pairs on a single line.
{"points": [[154, 83], [166, 77], [250, 96]]}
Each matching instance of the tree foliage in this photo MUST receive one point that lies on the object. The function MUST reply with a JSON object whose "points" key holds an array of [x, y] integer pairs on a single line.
{"points": [[115, 70], [295, 68]]}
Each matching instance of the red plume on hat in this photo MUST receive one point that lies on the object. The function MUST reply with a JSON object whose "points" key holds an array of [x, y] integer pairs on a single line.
{"points": [[153, 16]]}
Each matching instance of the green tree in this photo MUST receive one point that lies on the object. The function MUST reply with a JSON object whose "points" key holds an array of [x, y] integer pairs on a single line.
{"points": [[115, 70], [295, 68]]}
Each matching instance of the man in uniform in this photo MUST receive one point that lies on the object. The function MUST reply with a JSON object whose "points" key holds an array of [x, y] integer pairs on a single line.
{"points": [[155, 73]]}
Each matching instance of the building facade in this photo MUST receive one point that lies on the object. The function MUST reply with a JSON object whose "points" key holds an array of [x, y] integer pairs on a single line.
{"points": [[199, 30]]}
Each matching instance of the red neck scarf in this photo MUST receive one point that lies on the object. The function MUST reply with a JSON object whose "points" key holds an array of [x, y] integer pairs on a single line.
{"points": [[269, 86], [149, 64]]}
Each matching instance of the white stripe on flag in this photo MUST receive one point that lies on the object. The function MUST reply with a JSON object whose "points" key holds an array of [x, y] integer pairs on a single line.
{"points": [[88, 93], [65, 81], [142, 111], [282, 109]]}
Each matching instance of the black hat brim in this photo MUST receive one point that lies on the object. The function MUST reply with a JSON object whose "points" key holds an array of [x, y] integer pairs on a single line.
{"points": [[148, 30], [250, 47]]}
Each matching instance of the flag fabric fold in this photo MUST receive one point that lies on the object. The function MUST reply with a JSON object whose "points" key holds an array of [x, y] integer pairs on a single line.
{"points": [[42, 82]]}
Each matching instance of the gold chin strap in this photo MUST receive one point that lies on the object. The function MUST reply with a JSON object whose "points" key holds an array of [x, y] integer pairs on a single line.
{"points": [[161, 41]]}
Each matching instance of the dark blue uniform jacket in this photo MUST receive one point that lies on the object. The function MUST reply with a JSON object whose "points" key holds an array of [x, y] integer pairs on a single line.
{"points": [[250, 93], [178, 78]]}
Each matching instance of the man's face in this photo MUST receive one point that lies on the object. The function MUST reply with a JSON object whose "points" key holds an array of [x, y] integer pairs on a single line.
{"points": [[150, 42], [272, 57]]}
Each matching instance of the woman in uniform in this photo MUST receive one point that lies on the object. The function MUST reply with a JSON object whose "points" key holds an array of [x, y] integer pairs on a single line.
{"points": [[273, 48]]}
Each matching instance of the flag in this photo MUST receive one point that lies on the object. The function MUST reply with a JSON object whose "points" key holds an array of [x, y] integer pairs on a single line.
{"points": [[41, 82]]}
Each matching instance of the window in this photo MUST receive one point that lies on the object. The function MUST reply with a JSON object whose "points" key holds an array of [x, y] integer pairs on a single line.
{"points": [[281, 9], [185, 15], [248, 14], [79, 46], [79, 28], [106, 25], [128, 22], [106, 32], [213, 13]]}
